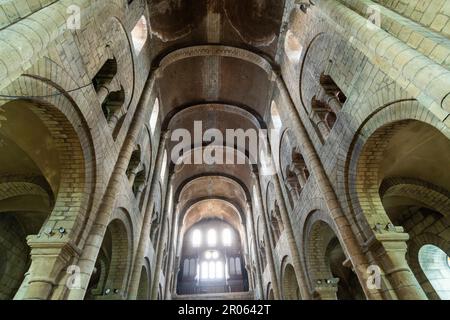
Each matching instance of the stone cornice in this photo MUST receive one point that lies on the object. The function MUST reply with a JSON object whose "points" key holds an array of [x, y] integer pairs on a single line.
{"points": [[216, 50]]}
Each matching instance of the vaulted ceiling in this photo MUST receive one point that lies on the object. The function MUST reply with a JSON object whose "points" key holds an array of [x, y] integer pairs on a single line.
{"points": [[222, 91]]}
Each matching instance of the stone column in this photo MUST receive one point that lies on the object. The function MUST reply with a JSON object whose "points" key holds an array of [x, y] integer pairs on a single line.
{"points": [[102, 93], [288, 228], [132, 176], [20, 294], [172, 252], [300, 176], [334, 103], [114, 120], [259, 282], [48, 259], [98, 229], [160, 244], [268, 246], [146, 224], [106, 88], [389, 250], [349, 241], [326, 289]]}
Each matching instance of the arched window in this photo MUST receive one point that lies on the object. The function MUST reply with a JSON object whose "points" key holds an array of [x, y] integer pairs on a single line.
{"points": [[192, 268], [238, 266], [212, 270], [275, 114], [186, 267], [226, 237], [232, 267], [205, 270], [292, 47], [154, 116], [196, 238], [435, 265], [212, 238], [139, 35], [219, 270]]}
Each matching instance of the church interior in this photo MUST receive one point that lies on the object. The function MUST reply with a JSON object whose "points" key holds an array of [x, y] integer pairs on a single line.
{"points": [[225, 150]]}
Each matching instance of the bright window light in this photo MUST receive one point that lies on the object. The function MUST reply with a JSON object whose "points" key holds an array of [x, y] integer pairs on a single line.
{"points": [[212, 270], [214, 255], [154, 116], [212, 237], [226, 237], [139, 35], [205, 270], [196, 238], [219, 270], [276, 119], [238, 266]]}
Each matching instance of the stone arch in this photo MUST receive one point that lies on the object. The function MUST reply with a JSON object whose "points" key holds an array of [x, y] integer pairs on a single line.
{"points": [[372, 170], [243, 16], [269, 292], [49, 163], [276, 225], [115, 258], [381, 122], [328, 269], [289, 283], [117, 41], [415, 247], [144, 285], [42, 87]]}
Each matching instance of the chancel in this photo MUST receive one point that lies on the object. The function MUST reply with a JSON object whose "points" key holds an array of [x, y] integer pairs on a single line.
{"points": [[224, 150]]}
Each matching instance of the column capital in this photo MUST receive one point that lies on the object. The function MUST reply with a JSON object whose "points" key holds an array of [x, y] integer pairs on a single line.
{"points": [[327, 288], [48, 259]]}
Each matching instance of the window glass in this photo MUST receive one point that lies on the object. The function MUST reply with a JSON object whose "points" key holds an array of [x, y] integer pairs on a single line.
{"points": [[196, 238], [226, 237], [139, 35], [212, 237]]}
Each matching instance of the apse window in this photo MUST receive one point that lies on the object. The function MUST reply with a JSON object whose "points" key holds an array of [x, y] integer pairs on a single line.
{"points": [[211, 255], [212, 238], [139, 35], [196, 238], [226, 237], [212, 270]]}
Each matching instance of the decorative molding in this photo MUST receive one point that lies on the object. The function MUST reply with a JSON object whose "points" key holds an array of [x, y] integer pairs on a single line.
{"points": [[216, 50]]}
